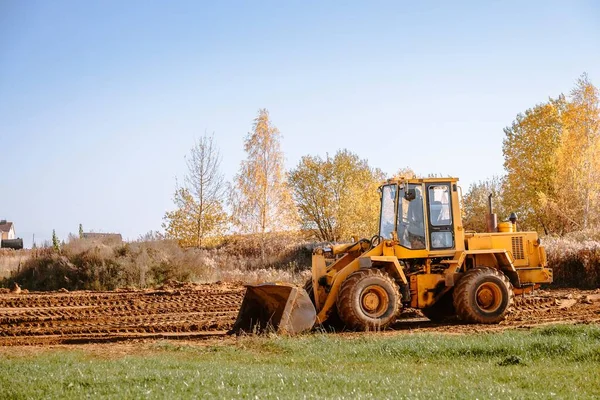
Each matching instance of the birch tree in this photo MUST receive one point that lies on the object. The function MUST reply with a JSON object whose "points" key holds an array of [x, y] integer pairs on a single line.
{"points": [[199, 218], [530, 161], [578, 158], [260, 198], [552, 159]]}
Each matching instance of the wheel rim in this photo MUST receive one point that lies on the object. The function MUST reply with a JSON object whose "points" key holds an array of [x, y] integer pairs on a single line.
{"points": [[488, 297], [374, 301]]}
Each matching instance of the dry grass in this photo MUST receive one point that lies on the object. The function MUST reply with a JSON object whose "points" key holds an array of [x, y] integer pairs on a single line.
{"points": [[11, 260], [575, 259], [93, 265]]}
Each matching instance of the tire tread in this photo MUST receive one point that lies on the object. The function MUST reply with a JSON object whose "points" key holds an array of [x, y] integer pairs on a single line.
{"points": [[345, 297], [464, 288]]}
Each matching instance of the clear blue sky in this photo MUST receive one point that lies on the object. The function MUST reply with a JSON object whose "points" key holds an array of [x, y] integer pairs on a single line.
{"points": [[101, 100]]}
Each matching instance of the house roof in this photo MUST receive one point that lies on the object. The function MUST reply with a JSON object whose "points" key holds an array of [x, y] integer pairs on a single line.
{"points": [[98, 235], [5, 227]]}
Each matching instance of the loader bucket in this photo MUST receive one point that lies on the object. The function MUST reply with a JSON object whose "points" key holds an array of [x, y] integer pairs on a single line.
{"points": [[280, 307]]}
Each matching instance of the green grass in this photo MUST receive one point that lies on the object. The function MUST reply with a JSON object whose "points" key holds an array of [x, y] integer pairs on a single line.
{"points": [[552, 362]]}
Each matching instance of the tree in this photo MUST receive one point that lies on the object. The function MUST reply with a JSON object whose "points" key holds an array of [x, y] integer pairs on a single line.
{"points": [[337, 197], [151, 236], [55, 241], [406, 172], [260, 198], [475, 203], [552, 159], [80, 231], [199, 218], [530, 161], [578, 157]]}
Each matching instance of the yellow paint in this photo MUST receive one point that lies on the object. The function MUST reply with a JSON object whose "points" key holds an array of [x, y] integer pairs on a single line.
{"points": [[505, 227], [519, 252], [391, 264], [541, 275], [425, 288]]}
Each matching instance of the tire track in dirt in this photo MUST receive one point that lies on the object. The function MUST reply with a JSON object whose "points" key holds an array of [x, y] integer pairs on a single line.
{"points": [[63, 317], [202, 311], [556, 306]]}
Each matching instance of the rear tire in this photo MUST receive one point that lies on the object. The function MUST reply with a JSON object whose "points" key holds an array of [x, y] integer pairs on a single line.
{"points": [[483, 296], [442, 310], [369, 299]]}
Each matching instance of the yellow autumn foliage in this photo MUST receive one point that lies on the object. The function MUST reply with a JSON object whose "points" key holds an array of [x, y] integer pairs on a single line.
{"points": [[337, 196], [552, 160]]}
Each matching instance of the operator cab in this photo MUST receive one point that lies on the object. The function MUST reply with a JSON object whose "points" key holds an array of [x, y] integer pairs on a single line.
{"points": [[419, 211]]}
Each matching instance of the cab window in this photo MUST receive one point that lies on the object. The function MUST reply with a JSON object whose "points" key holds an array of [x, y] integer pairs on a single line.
{"points": [[388, 211], [440, 217], [439, 205]]}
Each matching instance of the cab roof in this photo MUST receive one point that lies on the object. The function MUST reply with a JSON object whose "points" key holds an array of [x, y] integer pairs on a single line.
{"points": [[420, 180]]}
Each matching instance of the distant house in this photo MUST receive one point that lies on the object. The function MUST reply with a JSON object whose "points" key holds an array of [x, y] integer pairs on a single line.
{"points": [[7, 230], [7, 236], [103, 237]]}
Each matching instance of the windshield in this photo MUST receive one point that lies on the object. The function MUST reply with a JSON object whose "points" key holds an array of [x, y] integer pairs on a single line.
{"points": [[388, 211]]}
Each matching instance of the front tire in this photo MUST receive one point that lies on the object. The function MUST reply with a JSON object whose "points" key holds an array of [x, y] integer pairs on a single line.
{"points": [[483, 296], [369, 299]]}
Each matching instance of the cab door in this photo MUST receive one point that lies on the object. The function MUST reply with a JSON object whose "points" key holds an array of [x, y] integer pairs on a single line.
{"points": [[439, 216]]}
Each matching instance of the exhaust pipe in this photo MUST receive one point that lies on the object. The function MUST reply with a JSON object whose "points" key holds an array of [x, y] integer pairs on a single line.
{"points": [[491, 219]]}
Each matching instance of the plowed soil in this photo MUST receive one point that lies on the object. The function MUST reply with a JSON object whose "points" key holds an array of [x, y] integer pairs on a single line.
{"points": [[544, 307], [186, 311], [79, 317]]}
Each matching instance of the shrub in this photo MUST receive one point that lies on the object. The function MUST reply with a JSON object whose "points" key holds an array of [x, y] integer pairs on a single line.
{"points": [[90, 265], [575, 259]]}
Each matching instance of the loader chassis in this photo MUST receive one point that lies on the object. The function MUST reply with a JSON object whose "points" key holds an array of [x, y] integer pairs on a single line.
{"points": [[421, 258], [422, 245]]}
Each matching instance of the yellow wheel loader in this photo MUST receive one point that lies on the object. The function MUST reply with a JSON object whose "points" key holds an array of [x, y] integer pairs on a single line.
{"points": [[422, 258]]}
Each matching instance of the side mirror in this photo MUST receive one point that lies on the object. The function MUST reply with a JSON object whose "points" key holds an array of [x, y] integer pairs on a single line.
{"points": [[410, 194]]}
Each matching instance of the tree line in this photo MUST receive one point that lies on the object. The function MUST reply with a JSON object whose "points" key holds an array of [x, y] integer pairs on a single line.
{"points": [[552, 164], [331, 198], [552, 181]]}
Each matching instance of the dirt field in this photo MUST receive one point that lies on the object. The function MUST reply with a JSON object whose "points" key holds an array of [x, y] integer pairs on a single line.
{"points": [[186, 311], [79, 317]]}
